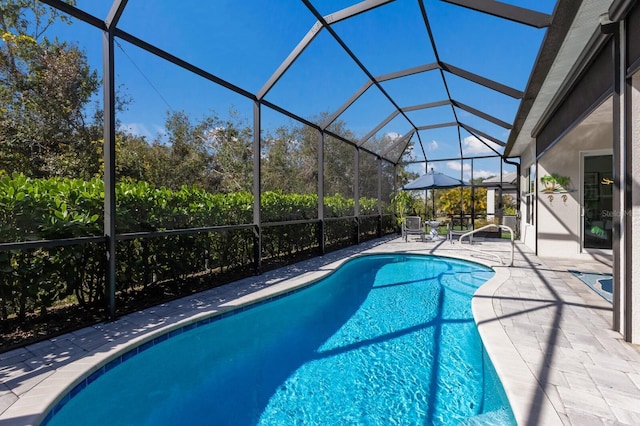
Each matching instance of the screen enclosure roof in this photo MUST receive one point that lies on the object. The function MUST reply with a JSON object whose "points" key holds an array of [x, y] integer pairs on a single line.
{"points": [[412, 80]]}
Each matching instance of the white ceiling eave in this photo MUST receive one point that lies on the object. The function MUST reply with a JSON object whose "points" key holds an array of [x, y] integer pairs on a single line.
{"points": [[585, 24]]}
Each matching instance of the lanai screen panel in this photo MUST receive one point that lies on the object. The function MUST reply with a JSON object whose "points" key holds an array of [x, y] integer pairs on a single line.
{"points": [[486, 45], [368, 184], [318, 80], [441, 143], [339, 177], [289, 158], [401, 150], [389, 134], [477, 145], [483, 168], [387, 186], [397, 32], [417, 89], [194, 143], [240, 42], [498, 105], [366, 112]]}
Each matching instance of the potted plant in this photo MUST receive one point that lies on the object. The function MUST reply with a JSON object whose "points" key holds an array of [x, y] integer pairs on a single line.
{"points": [[400, 202]]}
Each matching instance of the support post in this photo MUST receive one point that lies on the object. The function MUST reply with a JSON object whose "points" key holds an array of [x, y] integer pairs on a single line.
{"points": [[109, 152], [619, 296], [632, 214], [626, 311], [379, 197], [356, 194], [473, 197], [321, 230], [257, 190]]}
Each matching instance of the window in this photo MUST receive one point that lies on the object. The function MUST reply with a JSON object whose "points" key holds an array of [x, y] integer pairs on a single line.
{"points": [[530, 198]]}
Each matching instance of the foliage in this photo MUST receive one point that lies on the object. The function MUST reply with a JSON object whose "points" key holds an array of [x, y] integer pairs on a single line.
{"points": [[57, 208], [451, 201], [509, 205], [45, 87], [290, 159], [407, 203], [198, 174], [401, 202], [211, 153], [368, 206]]}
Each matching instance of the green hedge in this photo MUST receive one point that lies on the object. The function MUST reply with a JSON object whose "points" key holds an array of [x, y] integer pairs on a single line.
{"points": [[33, 281], [61, 208]]}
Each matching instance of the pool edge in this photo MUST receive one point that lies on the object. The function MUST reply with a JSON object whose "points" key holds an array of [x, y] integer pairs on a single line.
{"points": [[33, 406], [519, 383]]}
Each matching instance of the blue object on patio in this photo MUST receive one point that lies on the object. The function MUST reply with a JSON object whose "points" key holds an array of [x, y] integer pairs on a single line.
{"points": [[433, 180], [601, 283]]}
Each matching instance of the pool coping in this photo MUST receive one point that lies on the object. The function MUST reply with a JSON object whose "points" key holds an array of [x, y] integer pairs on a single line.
{"points": [[518, 381], [34, 405]]}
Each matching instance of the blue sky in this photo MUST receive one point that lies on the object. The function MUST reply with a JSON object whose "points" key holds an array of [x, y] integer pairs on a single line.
{"points": [[244, 42]]}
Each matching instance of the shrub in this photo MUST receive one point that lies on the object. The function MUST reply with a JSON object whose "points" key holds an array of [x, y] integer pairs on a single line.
{"points": [[51, 209]]}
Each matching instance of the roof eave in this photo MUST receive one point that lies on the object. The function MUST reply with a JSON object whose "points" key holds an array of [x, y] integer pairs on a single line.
{"points": [[563, 16]]}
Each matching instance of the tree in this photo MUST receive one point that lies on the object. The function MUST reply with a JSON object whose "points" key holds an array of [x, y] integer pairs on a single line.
{"points": [[339, 158], [282, 160], [368, 175], [45, 87], [230, 142], [449, 200], [211, 153]]}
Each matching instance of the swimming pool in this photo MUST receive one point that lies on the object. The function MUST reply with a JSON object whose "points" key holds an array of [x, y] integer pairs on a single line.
{"points": [[386, 339]]}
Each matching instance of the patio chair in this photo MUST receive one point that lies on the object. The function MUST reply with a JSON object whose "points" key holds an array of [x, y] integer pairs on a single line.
{"points": [[464, 225], [413, 226]]}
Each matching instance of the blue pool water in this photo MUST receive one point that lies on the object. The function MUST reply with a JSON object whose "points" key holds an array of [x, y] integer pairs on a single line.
{"points": [[385, 340]]}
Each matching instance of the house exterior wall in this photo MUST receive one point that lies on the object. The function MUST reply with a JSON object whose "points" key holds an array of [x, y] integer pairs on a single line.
{"points": [[491, 203], [559, 218], [634, 234], [558, 222], [527, 230]]}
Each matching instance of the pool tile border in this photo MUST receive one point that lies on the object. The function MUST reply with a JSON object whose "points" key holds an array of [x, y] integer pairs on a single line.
{"points": [[165, 335], [39, 404], [46, 385]]}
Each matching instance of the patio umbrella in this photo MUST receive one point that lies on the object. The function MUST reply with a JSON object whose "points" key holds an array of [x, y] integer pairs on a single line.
{"points": [[432, 181]]}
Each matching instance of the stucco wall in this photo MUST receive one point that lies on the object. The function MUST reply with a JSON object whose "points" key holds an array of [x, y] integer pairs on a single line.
{"points": [[527, 231], [559, 221], [634, 256]]}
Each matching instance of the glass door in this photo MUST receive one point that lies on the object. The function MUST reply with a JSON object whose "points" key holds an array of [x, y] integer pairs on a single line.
{"points": [[597, 201]]}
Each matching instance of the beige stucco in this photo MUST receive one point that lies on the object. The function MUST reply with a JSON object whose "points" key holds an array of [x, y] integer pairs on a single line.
{"points": [[559, 215], [634, 256], [527, 231]]}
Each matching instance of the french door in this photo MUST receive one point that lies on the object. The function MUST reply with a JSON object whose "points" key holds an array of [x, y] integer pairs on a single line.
{"points": [[597, 200]]}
